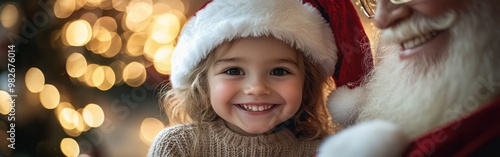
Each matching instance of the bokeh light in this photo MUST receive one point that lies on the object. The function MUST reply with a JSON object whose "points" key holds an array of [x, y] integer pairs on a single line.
{"points": [[49, 96], [138, 15], [68, 118], [135, 44], [98, 76], [64, 8], [165, 28], [70, 147], [92, 4], [114, 48], [76, 65], [150, 127], [109, 78], [77, 33], [9, 15], [120, 5], [5, 98], [118, 67], [150, 48], [62, 105], [82, 126], [74, 119], [87, 77], [34, 80], [93, 115], [90, 17], [173, 4], [134, 74], [162, 59]]}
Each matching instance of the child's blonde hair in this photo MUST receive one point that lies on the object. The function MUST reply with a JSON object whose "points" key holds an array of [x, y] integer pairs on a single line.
{"points": [[191, 103]]}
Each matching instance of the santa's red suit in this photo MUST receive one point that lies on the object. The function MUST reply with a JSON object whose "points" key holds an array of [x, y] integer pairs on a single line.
{"points": [[475, 135]]}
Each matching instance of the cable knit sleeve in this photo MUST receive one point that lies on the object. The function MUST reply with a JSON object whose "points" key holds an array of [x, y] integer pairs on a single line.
{"points": [[173, 141]]}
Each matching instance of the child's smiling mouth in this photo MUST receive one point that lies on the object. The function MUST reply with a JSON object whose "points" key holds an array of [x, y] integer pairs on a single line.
{"points": [[256, 107]]}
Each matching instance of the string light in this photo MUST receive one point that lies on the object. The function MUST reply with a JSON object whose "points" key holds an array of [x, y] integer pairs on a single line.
{"points": [[9, 15]]}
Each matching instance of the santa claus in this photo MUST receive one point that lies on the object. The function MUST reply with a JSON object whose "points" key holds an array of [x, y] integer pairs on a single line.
{"points": [[436, 84]]}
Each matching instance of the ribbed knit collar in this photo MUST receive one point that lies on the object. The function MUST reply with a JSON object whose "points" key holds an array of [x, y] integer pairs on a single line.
{"points": [[219, 129]]}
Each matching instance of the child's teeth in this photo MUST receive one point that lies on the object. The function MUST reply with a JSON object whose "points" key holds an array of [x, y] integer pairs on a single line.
{"points": [[256, 108], [261, 108]]}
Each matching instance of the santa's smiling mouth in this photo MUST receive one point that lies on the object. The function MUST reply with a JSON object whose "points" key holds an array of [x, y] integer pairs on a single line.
{"points": [[419, 40], [256, 108]]}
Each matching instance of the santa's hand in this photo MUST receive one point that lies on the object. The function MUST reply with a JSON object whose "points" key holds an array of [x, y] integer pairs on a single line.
{"points": [[367, 139]]}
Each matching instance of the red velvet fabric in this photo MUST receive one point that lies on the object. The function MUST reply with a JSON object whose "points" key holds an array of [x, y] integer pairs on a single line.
{"points": [[475, 135], [355, 58]]}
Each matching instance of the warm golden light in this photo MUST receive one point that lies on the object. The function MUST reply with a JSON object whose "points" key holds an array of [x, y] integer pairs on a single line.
{"points": [[120, 5], [9, 15], [93, 115], [68, 118], [165, 28], [98, 76], [138, 15], [92, 4], [82, 126], [49, 96], [175, 4], [87, 77], [5, 98], [77, 33], [118, 67], [70, 147], [61, 106], [90, 17], [34, 80], [134, 74], [64, 8], [73, 132], [150, 127], [103, 34], [138, 11], [162, 59], [107, 23], [76, 120], [115, 47], [106, 5], [79, 4], [76, 65], [150, 48], [108, 80], [135, 44]]}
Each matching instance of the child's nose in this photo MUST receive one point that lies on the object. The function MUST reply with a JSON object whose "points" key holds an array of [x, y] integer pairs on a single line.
{"points": [[257, 87]]}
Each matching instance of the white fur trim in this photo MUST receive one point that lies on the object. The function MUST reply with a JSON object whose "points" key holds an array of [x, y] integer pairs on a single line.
{"points": [[344, 103], [297, 24], [367, 139]]}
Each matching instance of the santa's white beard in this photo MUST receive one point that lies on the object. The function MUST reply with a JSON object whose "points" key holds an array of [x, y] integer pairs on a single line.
{"points": [[422, 93]]}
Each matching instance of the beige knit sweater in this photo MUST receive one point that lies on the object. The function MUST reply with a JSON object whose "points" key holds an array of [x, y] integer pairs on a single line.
{"points": [[218, 141]]}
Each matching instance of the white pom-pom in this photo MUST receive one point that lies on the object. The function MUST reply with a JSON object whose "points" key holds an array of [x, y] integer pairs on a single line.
{"points": [[343, 104], [367, 139]]}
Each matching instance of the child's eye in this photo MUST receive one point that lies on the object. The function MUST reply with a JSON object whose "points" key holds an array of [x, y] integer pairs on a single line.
{"points": [[279, 72], [234, 71]]}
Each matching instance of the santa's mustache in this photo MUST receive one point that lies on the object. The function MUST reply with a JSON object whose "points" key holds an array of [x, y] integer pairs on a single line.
{"points": [[415, 26]]}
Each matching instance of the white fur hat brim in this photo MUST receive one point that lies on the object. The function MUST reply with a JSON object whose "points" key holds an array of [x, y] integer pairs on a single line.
{"points": [[297, 24]]}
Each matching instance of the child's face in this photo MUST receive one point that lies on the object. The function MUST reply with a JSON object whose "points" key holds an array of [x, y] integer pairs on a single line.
{"points": [[256, 85]]}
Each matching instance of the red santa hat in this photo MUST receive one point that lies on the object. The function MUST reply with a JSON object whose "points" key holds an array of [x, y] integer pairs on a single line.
{"points": [[327, 31]]}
